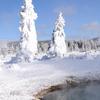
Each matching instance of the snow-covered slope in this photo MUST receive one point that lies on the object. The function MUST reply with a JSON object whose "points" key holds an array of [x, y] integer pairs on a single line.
{"points": [[21, 81]]}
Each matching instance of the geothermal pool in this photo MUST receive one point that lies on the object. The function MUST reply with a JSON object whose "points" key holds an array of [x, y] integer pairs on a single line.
{"points": [[82, 92]]}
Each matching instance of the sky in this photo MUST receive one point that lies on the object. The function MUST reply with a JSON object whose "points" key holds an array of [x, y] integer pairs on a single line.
{"points": [[82, 18]]}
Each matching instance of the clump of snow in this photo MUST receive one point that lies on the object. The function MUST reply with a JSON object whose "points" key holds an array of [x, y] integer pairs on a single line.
{"points": [[15, 67], [24, 57], [58, 45], [28, 41], [1, 60], [83, 55]]}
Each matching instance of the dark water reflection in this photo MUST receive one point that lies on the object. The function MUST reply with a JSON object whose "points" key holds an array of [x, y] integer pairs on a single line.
{"points": [[88, 92]]}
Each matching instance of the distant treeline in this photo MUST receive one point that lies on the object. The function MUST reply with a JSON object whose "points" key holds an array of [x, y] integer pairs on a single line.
{"points": [[11, 47]]}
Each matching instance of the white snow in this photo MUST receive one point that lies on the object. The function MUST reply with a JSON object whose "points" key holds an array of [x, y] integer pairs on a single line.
{"points": [[28, 41], [21, 81], [58, 45]]}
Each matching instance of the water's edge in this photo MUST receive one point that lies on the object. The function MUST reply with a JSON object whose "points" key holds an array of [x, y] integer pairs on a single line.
{"points": [[71, 82]]}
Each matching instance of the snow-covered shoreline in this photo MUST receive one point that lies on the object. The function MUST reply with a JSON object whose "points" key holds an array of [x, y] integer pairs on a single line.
{"points": [[22, 81], [70, 83]]}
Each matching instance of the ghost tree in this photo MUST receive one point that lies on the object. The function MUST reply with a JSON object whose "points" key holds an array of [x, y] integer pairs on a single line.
{"points": [[58, 45], [28, 40]]}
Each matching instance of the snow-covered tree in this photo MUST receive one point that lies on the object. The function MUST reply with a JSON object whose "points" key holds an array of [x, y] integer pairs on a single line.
{"points": [[28, 41], [58, 45]]}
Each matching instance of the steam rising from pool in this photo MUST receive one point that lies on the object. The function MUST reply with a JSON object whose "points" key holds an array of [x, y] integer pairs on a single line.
{"points": [[87, 92]]}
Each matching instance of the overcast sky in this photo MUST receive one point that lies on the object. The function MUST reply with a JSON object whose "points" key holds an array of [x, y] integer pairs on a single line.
{"points": [[82, 18]]}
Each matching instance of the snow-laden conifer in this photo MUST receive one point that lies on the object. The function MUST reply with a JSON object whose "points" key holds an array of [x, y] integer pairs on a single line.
{"points": [[58, 45], [28, 41]]}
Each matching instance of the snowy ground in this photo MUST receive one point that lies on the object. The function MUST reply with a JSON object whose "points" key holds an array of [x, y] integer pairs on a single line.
{"points": [[21, 81]]}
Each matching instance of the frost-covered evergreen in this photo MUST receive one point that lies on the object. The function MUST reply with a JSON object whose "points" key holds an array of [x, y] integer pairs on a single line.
{"points": [[58, 45], [28, 41]]}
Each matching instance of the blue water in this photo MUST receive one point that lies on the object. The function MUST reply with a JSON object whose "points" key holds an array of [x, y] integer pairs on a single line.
{"points": [[88, 92]]}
